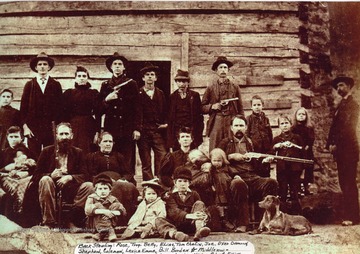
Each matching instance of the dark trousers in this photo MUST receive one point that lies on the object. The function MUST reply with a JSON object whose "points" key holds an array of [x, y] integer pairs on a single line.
{"points": [[347, 170], [37, 143], [126, 146], [151, 139], [288, 179]]}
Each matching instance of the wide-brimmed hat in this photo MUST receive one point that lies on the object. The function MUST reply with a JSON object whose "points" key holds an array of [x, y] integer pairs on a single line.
{"points": [[153, 183], [182, 75], [220, 60], [342, 78], [149, 67], [102, 178], [111, 59], [182, 172], [41, 56]]}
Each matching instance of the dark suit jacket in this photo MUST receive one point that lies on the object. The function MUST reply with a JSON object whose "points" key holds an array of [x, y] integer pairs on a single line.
{"points": [[343, 130], [39, 109], [197, 119]]}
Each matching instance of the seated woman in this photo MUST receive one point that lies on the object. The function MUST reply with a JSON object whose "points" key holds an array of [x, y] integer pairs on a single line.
{"points": [[113, 165]]}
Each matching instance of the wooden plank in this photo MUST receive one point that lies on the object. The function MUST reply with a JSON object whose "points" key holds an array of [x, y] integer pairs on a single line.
{"points": [[184, 64], [152, 23], [251, 40], [56, 6], [276, 80]]}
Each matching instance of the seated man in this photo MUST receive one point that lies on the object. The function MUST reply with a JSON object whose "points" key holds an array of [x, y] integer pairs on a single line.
{"points": [[16, 164], [60, 168], [243, 173], [176, 159], [112, 163]]}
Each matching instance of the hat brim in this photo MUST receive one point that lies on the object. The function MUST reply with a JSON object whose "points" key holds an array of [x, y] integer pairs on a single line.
{"points": [[148, 69], [347, 80], [111, 59], [35, 60], [182, 78], [218, 62], [152, 185]]}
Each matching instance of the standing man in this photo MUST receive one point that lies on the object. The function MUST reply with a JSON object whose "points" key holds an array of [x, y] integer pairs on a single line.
{"points": [[343, 144], [246, 183], [214, 103], [185, 111], [120, 105], [40, 104], [153, 122]]}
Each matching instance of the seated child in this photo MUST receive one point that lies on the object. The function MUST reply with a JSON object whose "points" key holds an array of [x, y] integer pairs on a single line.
{"points": [[200, 169], [16, 164], [152, 207], [185, 210], [102, 208], [221, 180]]}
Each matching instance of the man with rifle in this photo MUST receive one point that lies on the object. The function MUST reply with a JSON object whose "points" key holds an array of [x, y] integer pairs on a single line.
{"points": [[222, 100], [120, 104]]}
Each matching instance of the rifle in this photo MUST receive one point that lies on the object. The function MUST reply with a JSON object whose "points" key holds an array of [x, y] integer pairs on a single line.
{"points": [[117, 87], [252, 155], [226, 101]]}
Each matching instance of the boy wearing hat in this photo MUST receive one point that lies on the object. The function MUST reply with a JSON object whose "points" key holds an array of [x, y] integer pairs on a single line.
{"points": [[102, 209], [120, 105], [40, 104], [185, 210], [153, 121], [213, 103], [343, 144], [9, 116], [185, 111]]}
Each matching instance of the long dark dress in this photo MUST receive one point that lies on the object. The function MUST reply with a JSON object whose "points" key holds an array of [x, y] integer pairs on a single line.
{"points": [[9, 116], [80, 108]]}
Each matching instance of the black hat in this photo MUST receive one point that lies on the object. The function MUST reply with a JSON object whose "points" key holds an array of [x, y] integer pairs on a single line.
{"points": [[149, 67], [41, 56], [182, 172], [220, 60], [182, 75], [111, 59], [342, 78], [153, 183], [102, 178]]}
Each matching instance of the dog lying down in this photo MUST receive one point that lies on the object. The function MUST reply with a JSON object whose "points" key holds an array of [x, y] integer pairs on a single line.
{"points": [[278, 223]]}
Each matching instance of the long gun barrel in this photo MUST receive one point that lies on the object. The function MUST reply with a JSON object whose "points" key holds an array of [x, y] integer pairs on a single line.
{"points": [[276, 157]]}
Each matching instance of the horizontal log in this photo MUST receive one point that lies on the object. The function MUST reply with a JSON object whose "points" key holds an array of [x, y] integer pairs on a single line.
{"points": [[251, 39], [152, 23], [277, 80], [97, 6]]}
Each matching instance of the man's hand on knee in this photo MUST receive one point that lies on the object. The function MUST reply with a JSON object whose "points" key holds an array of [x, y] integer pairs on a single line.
{"points": [[63, 180]]}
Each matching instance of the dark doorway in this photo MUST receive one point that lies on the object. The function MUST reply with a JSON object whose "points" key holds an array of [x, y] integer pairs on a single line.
{"points": [[164, 80]]}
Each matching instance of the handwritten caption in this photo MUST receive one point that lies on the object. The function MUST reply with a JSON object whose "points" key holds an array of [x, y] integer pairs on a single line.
{"points": [[216, 247]]}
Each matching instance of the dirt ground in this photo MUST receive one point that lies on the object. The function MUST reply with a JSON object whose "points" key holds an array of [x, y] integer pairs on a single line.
{"points": [[325, 239]]}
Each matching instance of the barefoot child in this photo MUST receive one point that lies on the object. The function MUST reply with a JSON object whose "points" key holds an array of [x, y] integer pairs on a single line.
{"points": [[102, 208], [302, 127], [152, 207]]}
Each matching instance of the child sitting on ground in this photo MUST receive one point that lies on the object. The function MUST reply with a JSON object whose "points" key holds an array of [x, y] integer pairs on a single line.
{"points": [[102, 209], [221, 180], [185, 210], [152, 207]]}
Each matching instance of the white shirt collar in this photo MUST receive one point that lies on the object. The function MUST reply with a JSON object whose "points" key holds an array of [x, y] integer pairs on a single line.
{"points": [[177, 190]]}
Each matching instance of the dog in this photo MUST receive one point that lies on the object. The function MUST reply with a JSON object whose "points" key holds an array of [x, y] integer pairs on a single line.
{"points": [[278, 223]]}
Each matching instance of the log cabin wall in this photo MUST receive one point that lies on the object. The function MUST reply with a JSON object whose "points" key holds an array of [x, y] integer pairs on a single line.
{"points": [[261, 38]]}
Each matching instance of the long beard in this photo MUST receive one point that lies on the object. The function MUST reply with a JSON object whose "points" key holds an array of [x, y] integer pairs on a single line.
{"points": [[64, 145]]}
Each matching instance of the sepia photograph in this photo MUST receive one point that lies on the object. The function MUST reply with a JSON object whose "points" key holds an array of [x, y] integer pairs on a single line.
{"points": [[179, 127]]}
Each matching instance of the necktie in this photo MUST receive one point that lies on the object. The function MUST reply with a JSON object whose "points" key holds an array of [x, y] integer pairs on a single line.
{"points": [[43, 81], [182, 196]]}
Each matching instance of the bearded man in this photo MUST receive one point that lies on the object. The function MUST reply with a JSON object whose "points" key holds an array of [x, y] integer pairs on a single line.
{"points": [[61, 167]]}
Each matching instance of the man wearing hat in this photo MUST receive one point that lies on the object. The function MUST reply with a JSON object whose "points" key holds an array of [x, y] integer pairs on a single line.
{"points": [[185, 111], [120, 105], [40, 104], [343, 144], [153, 121], [214, 102]]}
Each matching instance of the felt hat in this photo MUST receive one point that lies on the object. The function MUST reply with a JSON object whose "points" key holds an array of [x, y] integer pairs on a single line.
{"points": [[149, 67], [103, 178], [182, 75], [111, 59], [41, 56], [220, 60], [183, 173], [153, 183], [342, 78]]}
